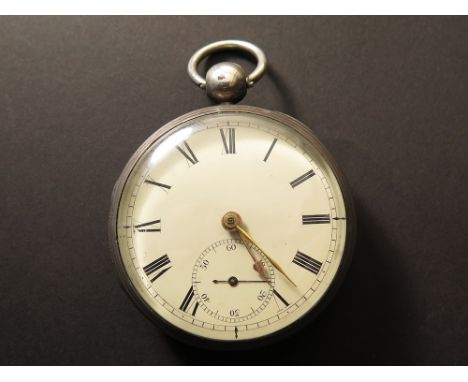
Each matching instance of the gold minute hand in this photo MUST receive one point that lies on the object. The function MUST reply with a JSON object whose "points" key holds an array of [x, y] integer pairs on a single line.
{"points": [[244, 233], [258, 266]]}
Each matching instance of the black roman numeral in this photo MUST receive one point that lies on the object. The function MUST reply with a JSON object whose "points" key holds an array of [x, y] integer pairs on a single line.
{"points": [[316, 219], [186, 303], [149, 227], [157, 265], [281, 298], [307, 262], [157, 184], [302, 178], [195, 308], [189, 155], [230, 142], [270, 149]]}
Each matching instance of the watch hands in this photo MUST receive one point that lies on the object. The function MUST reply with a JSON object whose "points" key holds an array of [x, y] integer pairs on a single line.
{"points": [[273, 262], [231, 222], [239, 281], [258, 266]]}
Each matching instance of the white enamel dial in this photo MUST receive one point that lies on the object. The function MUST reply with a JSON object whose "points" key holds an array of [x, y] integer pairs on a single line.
{"points": [[195, 274]]}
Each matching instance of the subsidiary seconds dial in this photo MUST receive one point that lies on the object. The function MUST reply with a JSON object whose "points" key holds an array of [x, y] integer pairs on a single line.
{"points": [[226, 284]]}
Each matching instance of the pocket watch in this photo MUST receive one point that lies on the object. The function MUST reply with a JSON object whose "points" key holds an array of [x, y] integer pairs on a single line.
{"points": [[231, 225]]}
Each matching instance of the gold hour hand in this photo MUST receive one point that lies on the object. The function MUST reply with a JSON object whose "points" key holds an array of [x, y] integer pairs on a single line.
{"points": [[231, 221]]}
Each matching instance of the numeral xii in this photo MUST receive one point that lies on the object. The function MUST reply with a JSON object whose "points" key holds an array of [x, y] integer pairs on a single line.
{"points": [[229, 140]]}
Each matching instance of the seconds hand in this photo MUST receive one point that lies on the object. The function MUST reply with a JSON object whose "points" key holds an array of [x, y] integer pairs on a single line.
{"points": [[239, 281]]}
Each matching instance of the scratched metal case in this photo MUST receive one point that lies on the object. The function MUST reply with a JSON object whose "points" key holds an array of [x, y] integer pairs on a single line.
{"points": [[167, 130]]}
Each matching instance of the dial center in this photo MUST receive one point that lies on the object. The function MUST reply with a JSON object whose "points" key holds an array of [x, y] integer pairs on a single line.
{"points": [[233, 281], [231, 220]]}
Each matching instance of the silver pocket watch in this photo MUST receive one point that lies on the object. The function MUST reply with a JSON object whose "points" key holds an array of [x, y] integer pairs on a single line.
{"points": [[231, 225]]}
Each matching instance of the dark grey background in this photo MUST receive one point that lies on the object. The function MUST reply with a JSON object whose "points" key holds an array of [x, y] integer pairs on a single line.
{"points": [[387, 95]]}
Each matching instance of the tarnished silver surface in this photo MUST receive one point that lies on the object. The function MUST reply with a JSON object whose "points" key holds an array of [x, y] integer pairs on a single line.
{"points": [[248, 47], [226, 82]]}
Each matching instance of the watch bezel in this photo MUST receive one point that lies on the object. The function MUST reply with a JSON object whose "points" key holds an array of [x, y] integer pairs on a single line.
{"points": [[200, 341]]}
